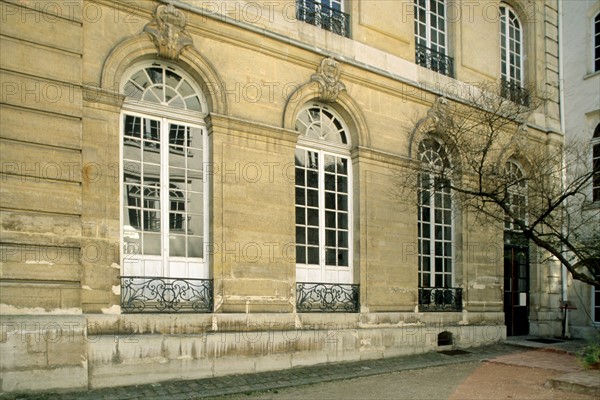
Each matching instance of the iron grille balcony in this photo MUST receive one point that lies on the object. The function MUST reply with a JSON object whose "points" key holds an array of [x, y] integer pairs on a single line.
{"points": [[434, 60], [324, 17], [327, 297], [146, 294], [440, 299], [514, 92]]}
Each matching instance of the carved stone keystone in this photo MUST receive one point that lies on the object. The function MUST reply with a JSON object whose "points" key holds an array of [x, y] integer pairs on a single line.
{"points": [[167, 31], [328, 77]]}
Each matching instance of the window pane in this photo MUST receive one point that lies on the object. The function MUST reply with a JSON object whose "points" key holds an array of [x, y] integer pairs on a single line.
{"points": [[313, 255], [330, 220], [300, 235], [312, 236], [177, 245], [330, 257], [300, 254], [300, 216], [330, 237], [330, 201], [195, 246], [343, 258], [342, 221], [151, 244], [343, 239], [312, 198], [342, 202], [300, 199]]}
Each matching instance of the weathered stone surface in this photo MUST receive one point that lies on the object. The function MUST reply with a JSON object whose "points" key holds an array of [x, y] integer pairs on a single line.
{"points": [[62, 196]]}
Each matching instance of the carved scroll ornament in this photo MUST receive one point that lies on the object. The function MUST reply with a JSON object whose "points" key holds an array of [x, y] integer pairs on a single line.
{"points": [[328, 78], [167, 31]]}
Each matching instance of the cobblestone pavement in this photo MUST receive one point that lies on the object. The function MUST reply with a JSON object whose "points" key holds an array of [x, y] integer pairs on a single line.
{"points": [[512, 355]]}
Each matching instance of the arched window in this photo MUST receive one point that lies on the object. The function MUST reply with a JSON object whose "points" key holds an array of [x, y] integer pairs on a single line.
{"points": [[516, 195], [511, 47], [323, 197], [512, 57], [435, 231], [164, 151]]}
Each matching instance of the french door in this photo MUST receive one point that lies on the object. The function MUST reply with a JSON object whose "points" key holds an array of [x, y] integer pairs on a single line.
{"points": [[516, 289], [164, 197]]}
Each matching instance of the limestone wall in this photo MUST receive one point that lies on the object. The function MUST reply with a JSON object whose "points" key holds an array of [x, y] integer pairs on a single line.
{"points": [[61, 68]]}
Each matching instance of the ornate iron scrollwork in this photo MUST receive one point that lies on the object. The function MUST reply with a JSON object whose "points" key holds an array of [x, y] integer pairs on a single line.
{"points": [[440, 299], [327, 297], [323, 16], [165, 295], [433, 60]]}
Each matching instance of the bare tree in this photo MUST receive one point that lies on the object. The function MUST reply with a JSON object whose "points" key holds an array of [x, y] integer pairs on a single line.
{"points": [[545, 202]]}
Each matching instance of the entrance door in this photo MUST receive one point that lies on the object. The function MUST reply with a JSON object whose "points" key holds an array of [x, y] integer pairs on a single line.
{"points": [[516, 289]]}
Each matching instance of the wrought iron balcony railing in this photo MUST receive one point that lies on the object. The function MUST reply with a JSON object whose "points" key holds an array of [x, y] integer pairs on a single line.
{"points": [[324, 17], [440, 299], [327, 297], [148, 294], [434, 60], [514, 92]]}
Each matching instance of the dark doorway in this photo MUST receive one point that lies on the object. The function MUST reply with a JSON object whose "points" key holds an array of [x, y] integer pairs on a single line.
{"points": [[516, 285]]}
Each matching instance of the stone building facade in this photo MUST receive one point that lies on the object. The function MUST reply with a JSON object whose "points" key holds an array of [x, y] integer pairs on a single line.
{"points": [[199, 188]]}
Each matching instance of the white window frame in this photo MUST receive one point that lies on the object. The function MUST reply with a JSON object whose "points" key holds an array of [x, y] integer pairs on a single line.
{"points": [[323, 273], [519, 192], [423, 9], [595, 158], [596, 43], [445, 195], [508, 16], [164, 265]]}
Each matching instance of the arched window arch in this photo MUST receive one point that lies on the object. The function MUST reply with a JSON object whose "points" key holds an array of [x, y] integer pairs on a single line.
{"points": [[516, 195], [164, 151], [323, 197], [511, 47], [435, 227]]}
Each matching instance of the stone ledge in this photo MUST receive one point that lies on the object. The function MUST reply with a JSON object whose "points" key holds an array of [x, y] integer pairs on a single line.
{"points": [[585, 382]]}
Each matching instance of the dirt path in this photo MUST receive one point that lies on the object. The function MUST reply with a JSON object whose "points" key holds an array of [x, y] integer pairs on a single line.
{"points": [[498, 381], [473, 380]]}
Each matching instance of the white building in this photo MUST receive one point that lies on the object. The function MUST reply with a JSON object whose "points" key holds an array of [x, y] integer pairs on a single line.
{"points": [[580, 55]]}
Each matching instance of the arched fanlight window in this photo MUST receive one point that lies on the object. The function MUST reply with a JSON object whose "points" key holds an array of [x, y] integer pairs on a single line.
{"points": [[516, 195], [323, 197], [164, 151], [164, 85], [435, 228], [321, 123]]}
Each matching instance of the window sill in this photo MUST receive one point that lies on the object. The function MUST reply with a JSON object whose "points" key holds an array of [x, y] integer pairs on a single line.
{"points": [[591, 75]]}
